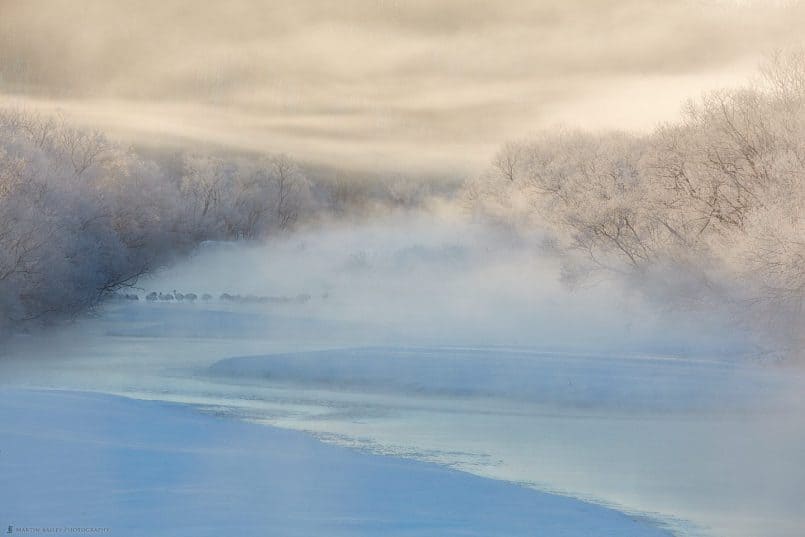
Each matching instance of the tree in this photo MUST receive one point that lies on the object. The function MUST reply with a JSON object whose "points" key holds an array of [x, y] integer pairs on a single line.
{"points": [[716, 198]]}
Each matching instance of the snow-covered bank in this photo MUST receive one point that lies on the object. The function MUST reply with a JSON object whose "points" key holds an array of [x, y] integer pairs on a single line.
{"points": [[123, 467]]}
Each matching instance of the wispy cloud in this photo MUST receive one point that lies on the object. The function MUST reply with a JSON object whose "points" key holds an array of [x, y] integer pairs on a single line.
{"points": [[430, 85]]}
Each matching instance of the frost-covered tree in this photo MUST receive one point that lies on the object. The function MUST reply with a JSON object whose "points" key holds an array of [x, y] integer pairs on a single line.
{"points": [[81, 217], [713, 202]]}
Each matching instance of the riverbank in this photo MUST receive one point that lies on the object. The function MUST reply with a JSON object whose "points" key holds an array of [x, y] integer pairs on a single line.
{"points": [[108, 465]]}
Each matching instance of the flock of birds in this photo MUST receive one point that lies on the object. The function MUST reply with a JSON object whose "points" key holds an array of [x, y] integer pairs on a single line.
{"points": [[176, 296]]}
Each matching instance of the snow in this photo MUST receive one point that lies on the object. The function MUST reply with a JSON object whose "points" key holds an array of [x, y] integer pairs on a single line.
{"points": [[118, 466]]}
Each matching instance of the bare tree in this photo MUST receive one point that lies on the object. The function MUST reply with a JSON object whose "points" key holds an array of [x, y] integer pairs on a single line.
{"points": [[718, 194]]}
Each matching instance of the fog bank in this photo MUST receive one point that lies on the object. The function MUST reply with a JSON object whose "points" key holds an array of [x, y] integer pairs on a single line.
{"points": [[436, 277]]}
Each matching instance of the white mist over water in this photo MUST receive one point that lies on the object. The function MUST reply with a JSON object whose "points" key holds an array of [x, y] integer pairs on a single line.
{"points": [[422, 278], [432, 337]]}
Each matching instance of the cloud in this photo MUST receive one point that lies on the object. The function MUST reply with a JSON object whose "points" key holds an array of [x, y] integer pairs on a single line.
{"points": [[426, 84]]}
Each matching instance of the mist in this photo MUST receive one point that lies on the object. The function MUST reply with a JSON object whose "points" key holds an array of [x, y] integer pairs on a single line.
{"points": [[437, 277]]}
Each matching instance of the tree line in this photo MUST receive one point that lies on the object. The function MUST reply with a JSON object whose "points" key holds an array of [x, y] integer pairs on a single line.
{"points": [[708, 208], [81, 216]]}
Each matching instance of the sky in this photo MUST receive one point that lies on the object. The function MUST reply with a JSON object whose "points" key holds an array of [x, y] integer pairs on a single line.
{"points": [[423, 86]]}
